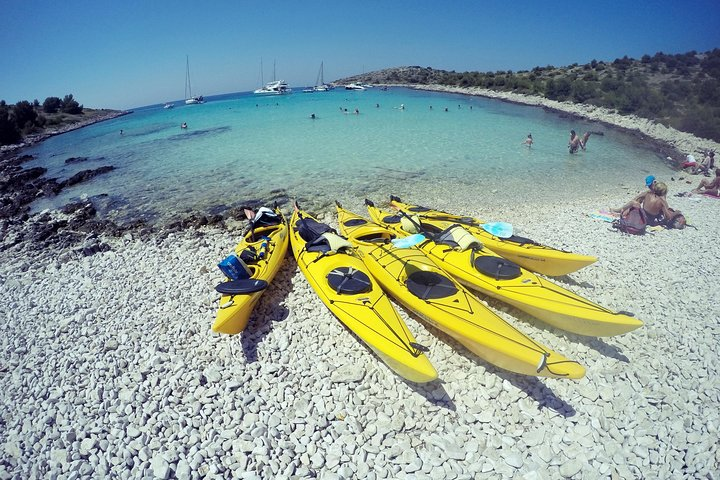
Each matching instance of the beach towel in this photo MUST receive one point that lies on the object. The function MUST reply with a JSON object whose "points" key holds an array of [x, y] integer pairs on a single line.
{"points": [[604, 215]]}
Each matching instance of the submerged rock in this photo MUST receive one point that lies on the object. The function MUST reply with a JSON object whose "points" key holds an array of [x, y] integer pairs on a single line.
{"points": [[86, 175]]}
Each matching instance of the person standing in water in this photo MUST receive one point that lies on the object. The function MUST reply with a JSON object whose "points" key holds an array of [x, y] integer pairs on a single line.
{"points": [[529, 140], [576, 142]]}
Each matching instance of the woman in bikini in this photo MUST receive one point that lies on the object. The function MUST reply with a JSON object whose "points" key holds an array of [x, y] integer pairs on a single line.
{"points": [[711, 187]]}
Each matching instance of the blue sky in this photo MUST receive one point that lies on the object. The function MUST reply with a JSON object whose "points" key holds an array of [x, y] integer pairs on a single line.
{"points": [[132, 53]]}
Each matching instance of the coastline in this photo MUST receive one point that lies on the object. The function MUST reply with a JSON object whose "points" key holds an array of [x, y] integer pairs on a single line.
{"points": [[109, 366], [682, 143], [37, 138]]}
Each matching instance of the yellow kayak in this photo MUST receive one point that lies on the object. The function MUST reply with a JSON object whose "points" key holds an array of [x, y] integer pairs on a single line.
{"points": [[464, 256], [523, 251], [260, 253], [344, 285], [421, 286]]}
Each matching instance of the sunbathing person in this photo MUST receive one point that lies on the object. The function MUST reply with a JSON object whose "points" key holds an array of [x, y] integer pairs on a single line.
{"points": [[711, 187]]}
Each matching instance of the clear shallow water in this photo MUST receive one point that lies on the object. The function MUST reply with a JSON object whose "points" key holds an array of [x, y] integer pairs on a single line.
{"points": [[241, 147]]}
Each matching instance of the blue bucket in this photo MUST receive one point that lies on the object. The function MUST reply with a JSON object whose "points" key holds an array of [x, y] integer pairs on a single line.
{"points": [[234, 268]]}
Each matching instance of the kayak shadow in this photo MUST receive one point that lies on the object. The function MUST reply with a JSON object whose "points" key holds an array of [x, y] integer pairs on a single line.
{"points": [[434, 392], [600, 346], [267, 312], [594, 343], [532, 386], [536, 389]]}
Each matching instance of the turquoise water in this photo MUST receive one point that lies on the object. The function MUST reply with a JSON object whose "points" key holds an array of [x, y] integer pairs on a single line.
{"points": [[241, 147]]}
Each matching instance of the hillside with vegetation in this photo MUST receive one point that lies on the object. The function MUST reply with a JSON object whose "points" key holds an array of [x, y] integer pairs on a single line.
{"points": [[680, 91], [27, 120]]}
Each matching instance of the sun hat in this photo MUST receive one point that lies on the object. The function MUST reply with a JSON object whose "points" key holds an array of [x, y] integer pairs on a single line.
{"points": [[649, 180]]}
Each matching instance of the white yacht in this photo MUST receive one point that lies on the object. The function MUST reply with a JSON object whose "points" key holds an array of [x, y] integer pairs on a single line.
{"points": [[354, 86], [277, 87]]}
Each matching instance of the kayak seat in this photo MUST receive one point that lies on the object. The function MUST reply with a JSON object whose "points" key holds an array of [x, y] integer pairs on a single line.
{"points": [[328, 242], [309, 229], [457, 237], [375, 238], [521, 240], [348, 281], [249, 255], [429, 285], [236, 287], [418, 209], [496, 267], [354, 222], [410, 225], [391, 219]]}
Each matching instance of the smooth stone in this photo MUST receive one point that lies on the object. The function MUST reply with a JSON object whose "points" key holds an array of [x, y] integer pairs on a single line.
{"points": [[570, 468], [347, 374], [160, 467]]}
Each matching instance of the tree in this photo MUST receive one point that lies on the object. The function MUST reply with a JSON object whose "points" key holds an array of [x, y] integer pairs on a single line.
{"points": [[70, 105], [582, 91], [9, 132], [558, 89], [52, 105], [25, 115]]}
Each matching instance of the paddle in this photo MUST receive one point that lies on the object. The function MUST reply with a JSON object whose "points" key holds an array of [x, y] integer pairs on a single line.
{"points": [[499, 229], [407, 242]]}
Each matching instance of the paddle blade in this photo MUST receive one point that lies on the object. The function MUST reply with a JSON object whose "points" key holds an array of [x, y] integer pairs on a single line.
{"points": [[408, 242], [499, 229]]}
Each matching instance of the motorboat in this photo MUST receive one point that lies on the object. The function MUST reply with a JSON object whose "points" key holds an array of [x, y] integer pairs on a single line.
{"points": [[168, 106], [354, 86], [277, 87]]}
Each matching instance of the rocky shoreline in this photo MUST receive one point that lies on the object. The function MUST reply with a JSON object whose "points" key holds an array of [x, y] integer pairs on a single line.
{"points": [[667, 141]]}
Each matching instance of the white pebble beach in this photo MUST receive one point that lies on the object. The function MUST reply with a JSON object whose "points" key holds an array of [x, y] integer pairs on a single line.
{"points": [[109, 368]]}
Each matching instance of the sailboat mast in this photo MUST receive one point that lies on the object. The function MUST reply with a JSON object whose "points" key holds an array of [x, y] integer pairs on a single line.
{"points": [[188, 87]]}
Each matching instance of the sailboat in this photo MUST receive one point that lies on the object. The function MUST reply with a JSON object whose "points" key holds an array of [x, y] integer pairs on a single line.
{"points": [[320, 85], [276, 87], [190, 99]]}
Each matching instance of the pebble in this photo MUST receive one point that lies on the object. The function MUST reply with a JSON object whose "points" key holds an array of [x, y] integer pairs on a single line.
{"points": [[151, 392]]}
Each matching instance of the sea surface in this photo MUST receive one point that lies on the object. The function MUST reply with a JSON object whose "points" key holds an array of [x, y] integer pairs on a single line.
{"points": [[242, 148]]}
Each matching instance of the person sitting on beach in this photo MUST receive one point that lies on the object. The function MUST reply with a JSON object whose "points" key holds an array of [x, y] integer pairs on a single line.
{"points": [[710, 187], [655, 205], [529, 140], [650, 184], [706, 164], [577, 142], [690, 162]]}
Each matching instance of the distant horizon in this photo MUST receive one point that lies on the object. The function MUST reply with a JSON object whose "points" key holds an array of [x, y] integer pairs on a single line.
{"points": [[298, 88], [120, 56]]}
